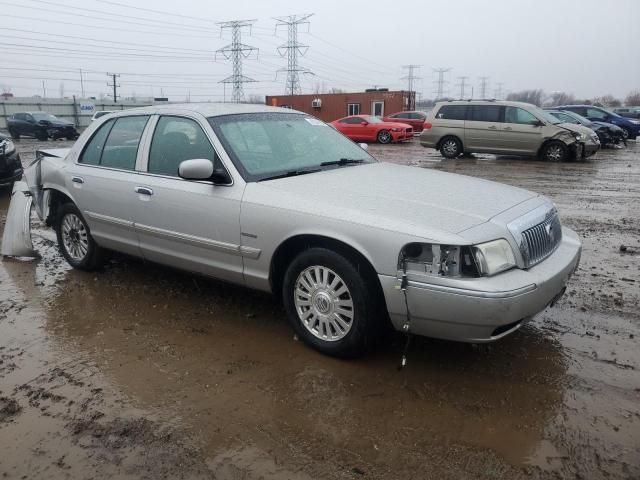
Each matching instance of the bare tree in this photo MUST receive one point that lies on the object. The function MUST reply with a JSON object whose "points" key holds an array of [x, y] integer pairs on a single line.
{"points": [[336, 90], [607, 101], [561, 98], [254, 98], [535, 97], [6, 89], [633, 99]]}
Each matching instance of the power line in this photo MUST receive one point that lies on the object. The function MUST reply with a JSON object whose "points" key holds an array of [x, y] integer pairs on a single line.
{"points": [[462, 85], [441, 82], [236, 51], [292, 49], [160, 12], [114, 84]]}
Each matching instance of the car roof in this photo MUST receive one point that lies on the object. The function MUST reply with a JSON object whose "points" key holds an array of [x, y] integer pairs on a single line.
{"points": [[507, 103], [210, 109]]}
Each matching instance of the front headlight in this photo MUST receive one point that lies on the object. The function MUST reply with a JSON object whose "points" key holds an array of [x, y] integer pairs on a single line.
{"points": [[9, 147], [494, 257], [395, 129], [637, 122]]}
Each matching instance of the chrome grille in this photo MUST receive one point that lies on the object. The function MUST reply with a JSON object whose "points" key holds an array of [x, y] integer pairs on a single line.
{"points": [[541, 240]]}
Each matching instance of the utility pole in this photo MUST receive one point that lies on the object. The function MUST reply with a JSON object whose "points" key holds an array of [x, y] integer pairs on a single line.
{"points": [[441, 82], [292, 49], [114, 84], [462, 85], [44, 90], [483, 87], [236, 51], [498, 91], [81, 83]]}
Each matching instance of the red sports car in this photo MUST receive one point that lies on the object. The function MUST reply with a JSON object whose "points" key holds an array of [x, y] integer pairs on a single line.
{"points": [[415, 119], [366, 128]]}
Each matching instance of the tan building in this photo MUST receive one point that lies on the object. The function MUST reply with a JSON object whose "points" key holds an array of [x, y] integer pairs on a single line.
{"points": [[331, 106]]}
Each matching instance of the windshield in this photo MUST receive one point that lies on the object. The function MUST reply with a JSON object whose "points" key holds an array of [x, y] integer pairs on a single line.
{"points": [[583, 121], [544, 115], [44, 116], [265, 145]]}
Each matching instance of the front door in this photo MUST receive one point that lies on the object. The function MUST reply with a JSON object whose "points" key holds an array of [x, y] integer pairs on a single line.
{"points": [[521, 131], [192, 225], [377, 108], [103, 179]]}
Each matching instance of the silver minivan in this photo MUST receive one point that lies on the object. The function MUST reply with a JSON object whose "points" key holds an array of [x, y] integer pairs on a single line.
{"points": [[498, 127]]}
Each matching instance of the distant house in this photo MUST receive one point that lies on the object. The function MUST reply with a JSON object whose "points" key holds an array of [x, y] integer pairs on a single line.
{"points": [[331, 106]]}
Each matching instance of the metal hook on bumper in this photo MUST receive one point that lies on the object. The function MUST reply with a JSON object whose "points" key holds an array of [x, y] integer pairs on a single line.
{"points": [[16, 239]]}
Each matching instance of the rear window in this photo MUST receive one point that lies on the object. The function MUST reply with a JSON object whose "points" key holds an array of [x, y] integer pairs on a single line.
{"points": [[486, 113], [452, 112]]}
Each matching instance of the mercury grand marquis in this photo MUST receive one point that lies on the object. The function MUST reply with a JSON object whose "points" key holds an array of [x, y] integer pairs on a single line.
{"points": [[277, 200]]}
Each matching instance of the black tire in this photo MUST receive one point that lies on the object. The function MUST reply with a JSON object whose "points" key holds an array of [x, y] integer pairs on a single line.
{"points": [[15, 135], [94, 256], [450, 147], [628, 134], [384, 137], [555, 151], [366, 312], [42, 135]]}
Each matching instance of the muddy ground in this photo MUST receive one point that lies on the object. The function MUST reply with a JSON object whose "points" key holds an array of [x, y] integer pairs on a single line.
{"points": [[143, 372]]}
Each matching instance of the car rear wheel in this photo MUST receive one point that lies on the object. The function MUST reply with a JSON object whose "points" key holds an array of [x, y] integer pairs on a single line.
{"points": [[75, 241], [330, 303], [555, 152], [450, 147], [384, 136]]}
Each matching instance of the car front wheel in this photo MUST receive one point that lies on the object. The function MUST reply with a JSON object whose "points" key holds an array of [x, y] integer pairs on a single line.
{"points": [[555, 152], [330, 303], [14, 134], [75, 241], [450, 147], [384, 136]]}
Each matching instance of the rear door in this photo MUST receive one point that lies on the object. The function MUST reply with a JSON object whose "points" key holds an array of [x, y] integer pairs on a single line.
{"points": [[482, 128], [520, 132], [192, 225], [103, 179]]}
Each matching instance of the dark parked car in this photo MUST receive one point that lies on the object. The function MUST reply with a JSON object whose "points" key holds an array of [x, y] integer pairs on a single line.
{"points": [[598, 114], [608, 133], [414, 119], [10, 165], [41, 125], [629, 112]]}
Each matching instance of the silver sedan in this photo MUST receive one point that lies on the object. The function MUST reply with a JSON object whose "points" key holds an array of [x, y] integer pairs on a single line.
{"points": [[276, 200]]}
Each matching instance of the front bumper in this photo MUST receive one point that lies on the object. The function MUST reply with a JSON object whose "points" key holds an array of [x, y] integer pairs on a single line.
{"points": [[487, 308], [401, 136]]}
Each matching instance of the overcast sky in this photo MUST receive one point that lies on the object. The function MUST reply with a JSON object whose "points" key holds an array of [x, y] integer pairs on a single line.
{"points": [[585, 47]]}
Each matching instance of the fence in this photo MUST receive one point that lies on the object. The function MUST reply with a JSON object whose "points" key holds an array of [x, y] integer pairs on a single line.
{"points": [[75, 110]]}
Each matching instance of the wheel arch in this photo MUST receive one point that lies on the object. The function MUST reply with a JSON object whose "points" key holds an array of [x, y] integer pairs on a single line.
{"points": [[294, 245], [57, 198]]}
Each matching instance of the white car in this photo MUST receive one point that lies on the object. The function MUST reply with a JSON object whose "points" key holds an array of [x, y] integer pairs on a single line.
{"points": [[277, 200]]}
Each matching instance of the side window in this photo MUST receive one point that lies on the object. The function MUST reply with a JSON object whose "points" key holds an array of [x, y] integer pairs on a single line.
{"points": [[486, 113], [353, 121], [519, 116], [596, 113], [353, 109], [121, 148], [177, 139], [93, 151], [416, 116], [452, 112], [565, 118]]}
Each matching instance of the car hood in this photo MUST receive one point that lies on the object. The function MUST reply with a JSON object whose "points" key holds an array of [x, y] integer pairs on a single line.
{"points": [[393, 125], [577, 128], [412, 200], [610, 126], [59, 124]]}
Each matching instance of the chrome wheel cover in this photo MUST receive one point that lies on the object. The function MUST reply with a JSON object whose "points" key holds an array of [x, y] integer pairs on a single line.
{"points": [[323, 303], [450, 147], [554, 153], [75, 237]]}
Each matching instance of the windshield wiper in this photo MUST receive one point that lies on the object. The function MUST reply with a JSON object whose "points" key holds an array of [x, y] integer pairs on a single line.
{"points": [[343, 161], [290, 173]]}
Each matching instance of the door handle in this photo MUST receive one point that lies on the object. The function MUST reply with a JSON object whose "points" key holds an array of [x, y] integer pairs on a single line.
{"points": [[508, 129], [492, 127], [77, 179], [143, 190]]}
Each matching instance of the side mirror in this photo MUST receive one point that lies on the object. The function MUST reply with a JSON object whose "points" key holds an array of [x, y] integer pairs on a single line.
{"points": [[364, 123], [538, 123], [197, 169], [364, 146]]}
